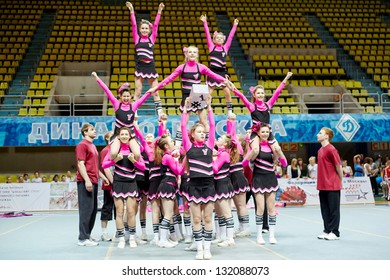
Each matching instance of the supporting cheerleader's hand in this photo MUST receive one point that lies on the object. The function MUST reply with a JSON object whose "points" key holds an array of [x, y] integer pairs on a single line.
{"points": [[118, 157], [131, 157], [163, 117], [232, 117], [175, 154], [230, 85]]}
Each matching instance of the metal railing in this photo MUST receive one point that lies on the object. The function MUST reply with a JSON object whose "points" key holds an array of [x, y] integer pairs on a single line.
{"points": [[97, 105]]}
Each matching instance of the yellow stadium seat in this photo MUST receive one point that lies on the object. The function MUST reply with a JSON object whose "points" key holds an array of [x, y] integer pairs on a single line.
{"points": [[22, 111], [286, 110]]}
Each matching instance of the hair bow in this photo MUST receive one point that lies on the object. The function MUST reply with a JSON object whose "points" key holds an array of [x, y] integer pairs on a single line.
{"points": [[123, 87], [216, 33], [252, 89], [185, 49]]}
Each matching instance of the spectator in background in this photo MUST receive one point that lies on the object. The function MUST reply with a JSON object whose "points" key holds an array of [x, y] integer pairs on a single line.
{"points": [[293, 170], [8, 180], [56, 178], [20, 179], [347, 170], [63, 178], [312, 168], [378, 165], [26, 178], [69, 177], [303, 168], [278, 169], [37, 177], [358, 166], [44, 179], [371, 171]]}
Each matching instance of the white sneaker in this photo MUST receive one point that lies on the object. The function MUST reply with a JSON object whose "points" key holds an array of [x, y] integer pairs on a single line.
{"points": [[144, 237], [121, 243], [94, 239], [331, 236], [154, 241], [272, 240], [133, 243], [191, 247], [140, 241], [227, 243], [264, 230], [87, 243], [173, 242], [243, 233], [322, 235], [216, 241], [166, 244], [199, 255], [188, 239], [105, 237], [207, 255], [173, 237], [180, 237], [260, 240]]}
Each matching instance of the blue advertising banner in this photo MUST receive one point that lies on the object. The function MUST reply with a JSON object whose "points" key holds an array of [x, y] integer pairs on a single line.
{"points": [[302, 128]]}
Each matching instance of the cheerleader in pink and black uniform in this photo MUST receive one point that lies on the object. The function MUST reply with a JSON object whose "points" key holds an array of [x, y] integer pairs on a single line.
{"points": [[124, 115], [124, 187], [201, 189], [142, 179], [264, 184], [144, 53], [168, 157], [224, 189], [260, 113], [154, 178], [191, 73], [239, 180], [218, 50]]}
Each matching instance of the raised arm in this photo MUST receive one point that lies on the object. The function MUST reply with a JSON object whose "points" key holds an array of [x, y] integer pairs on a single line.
{"points": [[247, 103], [277, 92], [139, 134], [229, 40], [211, 140], [134, 28], [162, 125], [206, 71], [173, 164], [136, 104], [156, 22], [210, 43], [231, 129], [177, 72], [222, 158], [114, 101], [183, 125]]}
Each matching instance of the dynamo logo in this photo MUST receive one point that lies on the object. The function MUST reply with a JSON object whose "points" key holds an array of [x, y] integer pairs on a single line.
{"points": [[347, 126]]}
